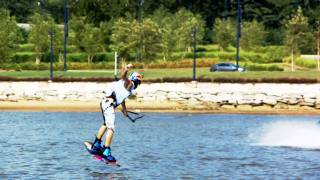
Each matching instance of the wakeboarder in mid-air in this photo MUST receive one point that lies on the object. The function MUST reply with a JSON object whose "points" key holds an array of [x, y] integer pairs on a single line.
{"points": [[114, 96]]}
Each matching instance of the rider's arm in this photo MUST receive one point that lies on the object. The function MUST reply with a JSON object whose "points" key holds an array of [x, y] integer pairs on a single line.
{"points": [[124, 109], [124, 75]]}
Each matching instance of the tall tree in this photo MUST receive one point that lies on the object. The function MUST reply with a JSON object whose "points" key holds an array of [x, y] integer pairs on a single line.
{"points": [[297, 30], [57, 36], [86, 37], [20, 9], [9, 35], [224, 32], [105, 35], [77, 25], [185, 21], [39, 35], [253, 35], [150, 38], [41, 28], [90, 42], [131, 36], [167, 25], [120, 37]]}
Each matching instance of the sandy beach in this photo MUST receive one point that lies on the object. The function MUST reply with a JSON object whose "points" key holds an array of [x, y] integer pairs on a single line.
{"points": [[249, 98], [80, 106]]}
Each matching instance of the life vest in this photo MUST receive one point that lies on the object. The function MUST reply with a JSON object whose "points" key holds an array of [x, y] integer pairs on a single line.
{"points": [[119, 93]]}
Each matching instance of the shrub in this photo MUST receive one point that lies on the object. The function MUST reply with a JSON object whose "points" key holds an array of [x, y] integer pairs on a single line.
{"points": [[207, 55], [308, 63], [26, 47], [71, 48], [263, 67], [168, 79], [231, 49], [177, 64], [274, 53], [201, 49], [289, 80], [83, 66], [210, 47], [254, 57], [46, 57], [274, 68], [224, 56], [77, 57], [100, 57], [56, 66], [22, 57]]}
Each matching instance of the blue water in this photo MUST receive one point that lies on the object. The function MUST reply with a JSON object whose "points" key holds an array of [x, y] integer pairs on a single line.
{"points": [[44, 145]]}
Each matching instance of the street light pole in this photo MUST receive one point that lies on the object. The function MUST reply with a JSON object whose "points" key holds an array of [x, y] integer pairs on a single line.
{"points": [[295, 6], [140, 23], [50, 34], [238, 33], [66, 33], [225, 10], [194, 33], [51, 55], [318, 43]]}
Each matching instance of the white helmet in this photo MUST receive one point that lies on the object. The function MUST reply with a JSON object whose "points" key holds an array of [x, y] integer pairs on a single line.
{"points": [[136, 79]]}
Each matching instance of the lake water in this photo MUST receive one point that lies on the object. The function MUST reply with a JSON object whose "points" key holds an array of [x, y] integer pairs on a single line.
{"points": [[36, 145]]}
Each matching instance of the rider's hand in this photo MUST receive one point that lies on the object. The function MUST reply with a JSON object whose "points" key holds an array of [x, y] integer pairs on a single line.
{"points": [[129, 66], [125, 113], [126, 68]]}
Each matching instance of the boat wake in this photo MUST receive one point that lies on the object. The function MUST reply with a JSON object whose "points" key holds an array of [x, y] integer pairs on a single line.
{"points": [[295, 134]]}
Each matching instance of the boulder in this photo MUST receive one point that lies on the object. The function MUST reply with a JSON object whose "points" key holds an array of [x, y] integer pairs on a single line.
{"points": [[263, 108], [227, 107], [281, 106], [244, 107], [270, 100], [306, 108]]}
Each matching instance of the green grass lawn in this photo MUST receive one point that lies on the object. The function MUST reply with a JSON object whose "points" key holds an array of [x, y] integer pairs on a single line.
{"points": [[71, 73], [174, 73]]}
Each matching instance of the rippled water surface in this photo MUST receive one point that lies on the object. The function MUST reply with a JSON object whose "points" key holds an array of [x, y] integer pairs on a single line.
{"points": [[161, 146]]}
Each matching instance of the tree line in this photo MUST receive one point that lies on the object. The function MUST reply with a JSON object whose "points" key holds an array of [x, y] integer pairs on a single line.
{"points": [[145, 29], [271, 13], [155, 36]]}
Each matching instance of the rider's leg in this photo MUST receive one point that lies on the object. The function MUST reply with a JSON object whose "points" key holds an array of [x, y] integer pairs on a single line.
{"points": [[109, 137]]}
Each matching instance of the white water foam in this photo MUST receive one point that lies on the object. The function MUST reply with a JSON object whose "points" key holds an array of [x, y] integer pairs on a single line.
{"points": [[298, 134]]}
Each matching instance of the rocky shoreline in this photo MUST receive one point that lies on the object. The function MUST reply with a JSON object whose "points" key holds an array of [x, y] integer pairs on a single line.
{"points": [[180, 97]]}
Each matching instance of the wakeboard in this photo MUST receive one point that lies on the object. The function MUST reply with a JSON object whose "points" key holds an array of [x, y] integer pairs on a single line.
{"points": [[98, 157]]}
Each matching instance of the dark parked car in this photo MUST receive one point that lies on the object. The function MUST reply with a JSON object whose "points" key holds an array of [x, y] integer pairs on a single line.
{"points": [[226, 67]]}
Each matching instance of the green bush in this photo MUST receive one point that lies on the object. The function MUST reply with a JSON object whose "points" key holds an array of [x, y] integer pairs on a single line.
{"points": [[254, 57], [46, 57], [201, 49], [224, 56], [187, 63], [308, 63], [262, 67], [22, 57], [84, 66], [244, 56], [24, 66], [261, 55], [275, 54], [71, 49], [207, 55], [77, 57], [189, 55], [210, 47], [230, 49], [101, 57], [56, 66], [26, 48]]}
